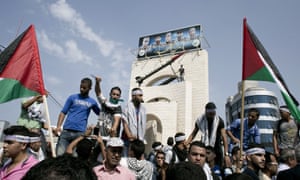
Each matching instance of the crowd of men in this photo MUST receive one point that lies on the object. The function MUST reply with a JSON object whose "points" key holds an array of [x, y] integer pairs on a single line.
{"points": [[115, 147]]}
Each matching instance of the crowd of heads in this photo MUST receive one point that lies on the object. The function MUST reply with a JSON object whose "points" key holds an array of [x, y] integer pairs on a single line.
{"points": [[181, 157], [19, 138]]}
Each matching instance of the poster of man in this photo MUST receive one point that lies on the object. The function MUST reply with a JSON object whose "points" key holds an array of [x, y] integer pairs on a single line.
{"points": [[170, 42]]}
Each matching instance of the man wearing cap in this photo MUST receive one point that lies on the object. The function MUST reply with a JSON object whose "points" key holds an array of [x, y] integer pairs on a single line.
{"points": [[134, 118], [255, 156], [285, 131], [15, 145], [212, 130], [111, 169], [250, 131]]}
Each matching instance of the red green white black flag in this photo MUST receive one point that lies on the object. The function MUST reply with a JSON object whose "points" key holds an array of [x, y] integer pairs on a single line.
{"points": [[257, 65], [20, 68]]}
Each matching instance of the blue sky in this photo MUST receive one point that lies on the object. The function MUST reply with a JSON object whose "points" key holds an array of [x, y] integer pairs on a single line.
{"points": [[78, 38]]}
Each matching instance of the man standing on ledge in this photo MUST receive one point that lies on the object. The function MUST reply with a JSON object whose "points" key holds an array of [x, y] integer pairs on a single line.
{"points": [[250, 131], [78, 108], [212, 133], [134, 118]]}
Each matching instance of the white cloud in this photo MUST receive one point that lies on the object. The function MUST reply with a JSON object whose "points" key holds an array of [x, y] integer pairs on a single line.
{"points": [[69, 52], [114, 51], [49, 45], [75, 54], [62, 11]]}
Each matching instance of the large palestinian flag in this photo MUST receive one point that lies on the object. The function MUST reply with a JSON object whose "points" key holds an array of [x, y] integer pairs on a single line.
{"points": [[257, 65], [20, 68]]}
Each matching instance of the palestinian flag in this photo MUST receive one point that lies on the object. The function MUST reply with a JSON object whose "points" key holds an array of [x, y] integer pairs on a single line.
{"points": [[20, 68], [257, 65]]}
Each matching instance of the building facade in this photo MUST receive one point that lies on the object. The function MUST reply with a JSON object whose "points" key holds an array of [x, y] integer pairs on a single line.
{"points": [[256, 97]]}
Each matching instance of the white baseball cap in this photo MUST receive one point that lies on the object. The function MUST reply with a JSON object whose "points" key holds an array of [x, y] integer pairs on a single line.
{"points": [[114, 142]]}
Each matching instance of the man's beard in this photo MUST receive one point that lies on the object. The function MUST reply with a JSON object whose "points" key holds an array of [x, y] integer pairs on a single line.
{"points": [[181, 154]]}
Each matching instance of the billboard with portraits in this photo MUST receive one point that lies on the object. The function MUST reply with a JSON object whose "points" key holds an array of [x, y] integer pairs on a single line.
{"points": [[169, 42]]}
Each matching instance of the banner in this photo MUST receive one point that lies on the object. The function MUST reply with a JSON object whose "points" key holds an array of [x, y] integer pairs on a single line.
{"points": [[169, 42]]}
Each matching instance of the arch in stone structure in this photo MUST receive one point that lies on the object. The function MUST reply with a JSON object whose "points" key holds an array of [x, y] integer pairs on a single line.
{"points": [[153, 131]]}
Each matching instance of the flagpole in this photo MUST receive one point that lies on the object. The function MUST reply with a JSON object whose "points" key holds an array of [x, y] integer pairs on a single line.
{"points": [[49, 126], [242, 121]]}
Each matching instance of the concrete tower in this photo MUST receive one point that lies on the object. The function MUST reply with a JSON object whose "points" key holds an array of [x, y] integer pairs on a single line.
{"points": [[173, 100]]}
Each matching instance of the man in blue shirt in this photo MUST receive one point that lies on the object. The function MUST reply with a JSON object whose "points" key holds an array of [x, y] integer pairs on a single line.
{"points": [[77, 108], [250, 132]]}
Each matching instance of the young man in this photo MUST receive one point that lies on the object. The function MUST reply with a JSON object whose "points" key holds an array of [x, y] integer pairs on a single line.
{"points": [[160, 166], [136, 162], [35, 146], [285, 131], [110, 116], [111, 168], [251, 130], [179, 151], [213, 133], [237, 160], [197, 155], [255, 156], [33, 114], [134, 118], [33, 117], [270, 169], [211, 161], [15, 145], [156, 146], [78, 108]]}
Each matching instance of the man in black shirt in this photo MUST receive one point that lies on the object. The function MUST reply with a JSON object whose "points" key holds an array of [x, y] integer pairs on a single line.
{"points": [[212, 133]]}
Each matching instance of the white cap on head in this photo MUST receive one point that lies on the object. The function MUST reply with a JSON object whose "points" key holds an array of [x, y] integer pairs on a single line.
{"points": [[114, 142]]}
